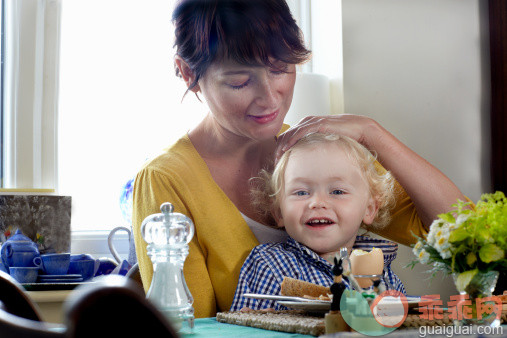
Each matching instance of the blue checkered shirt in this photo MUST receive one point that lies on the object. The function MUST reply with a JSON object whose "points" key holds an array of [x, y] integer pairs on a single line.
{"points": [[267, 264]]}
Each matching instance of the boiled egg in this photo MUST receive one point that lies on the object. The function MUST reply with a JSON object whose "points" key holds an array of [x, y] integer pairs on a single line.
{"points": [[366, 263]]}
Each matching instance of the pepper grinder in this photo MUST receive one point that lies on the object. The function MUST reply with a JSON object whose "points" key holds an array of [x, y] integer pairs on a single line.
{"points": [[168, 235]]}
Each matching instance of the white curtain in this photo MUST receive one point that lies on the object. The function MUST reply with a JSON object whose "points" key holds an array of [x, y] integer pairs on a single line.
{"points": [[30, 91]]}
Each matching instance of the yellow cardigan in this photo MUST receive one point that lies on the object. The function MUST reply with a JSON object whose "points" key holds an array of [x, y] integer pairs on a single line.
{"points": [[222, 238]]}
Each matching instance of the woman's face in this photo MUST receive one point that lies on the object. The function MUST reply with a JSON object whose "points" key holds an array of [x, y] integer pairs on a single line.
{"points": [[248, 101]]}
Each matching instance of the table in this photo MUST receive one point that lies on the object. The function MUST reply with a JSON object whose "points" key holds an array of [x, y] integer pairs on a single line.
{"points": [[433, 333], [210, 328]]}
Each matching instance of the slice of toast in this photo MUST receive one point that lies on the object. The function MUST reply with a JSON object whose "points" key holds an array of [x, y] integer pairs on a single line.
{"points": [[299, 288]]}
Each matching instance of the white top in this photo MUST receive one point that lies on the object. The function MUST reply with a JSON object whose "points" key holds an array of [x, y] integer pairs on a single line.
{"points": [[264, 233]]}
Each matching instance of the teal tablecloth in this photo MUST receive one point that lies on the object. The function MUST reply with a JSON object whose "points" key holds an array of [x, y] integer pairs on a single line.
{"points": [[209, 328]]}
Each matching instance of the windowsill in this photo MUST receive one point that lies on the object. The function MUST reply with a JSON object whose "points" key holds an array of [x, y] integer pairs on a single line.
{"points": [[29, 191], [95, 243]]}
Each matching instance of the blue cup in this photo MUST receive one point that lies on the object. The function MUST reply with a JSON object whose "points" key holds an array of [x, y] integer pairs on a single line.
{"points": [[83, 265], [80, 257], [24, 274], [54, 264]]}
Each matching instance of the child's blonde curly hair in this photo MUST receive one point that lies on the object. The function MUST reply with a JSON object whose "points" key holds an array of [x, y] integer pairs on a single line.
{"points": [[268, 186]]}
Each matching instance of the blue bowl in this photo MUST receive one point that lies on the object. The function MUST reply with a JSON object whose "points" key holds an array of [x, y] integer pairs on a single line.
{"points": [[24, 274]]}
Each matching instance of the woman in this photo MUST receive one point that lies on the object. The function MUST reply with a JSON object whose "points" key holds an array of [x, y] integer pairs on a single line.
{"points": [[240, 55]]}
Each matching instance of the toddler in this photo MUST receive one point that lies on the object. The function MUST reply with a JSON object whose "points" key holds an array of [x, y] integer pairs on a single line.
{"points": [[321, 192]]}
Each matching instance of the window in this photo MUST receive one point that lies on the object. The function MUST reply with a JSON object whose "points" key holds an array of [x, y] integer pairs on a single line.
{"points": [[119, 101], [102, 96]]}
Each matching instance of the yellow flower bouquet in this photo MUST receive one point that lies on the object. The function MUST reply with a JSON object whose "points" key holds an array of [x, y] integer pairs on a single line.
{"points": [[468, 239], [470, 243]]}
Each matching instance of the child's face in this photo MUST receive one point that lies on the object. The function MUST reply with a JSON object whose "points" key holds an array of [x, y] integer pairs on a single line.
{"points": [[325, 198]]}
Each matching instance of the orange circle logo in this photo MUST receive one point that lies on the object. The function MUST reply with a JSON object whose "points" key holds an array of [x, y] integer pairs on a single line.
{"points": [[390, 308]]}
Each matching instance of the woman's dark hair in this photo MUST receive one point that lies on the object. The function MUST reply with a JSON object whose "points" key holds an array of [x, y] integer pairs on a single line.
{"points": [[247, 31]]}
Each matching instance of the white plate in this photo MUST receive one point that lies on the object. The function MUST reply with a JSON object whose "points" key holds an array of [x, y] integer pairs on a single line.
{"points": [[310, 306], [324, 306], [412, 301], [284, 298]]}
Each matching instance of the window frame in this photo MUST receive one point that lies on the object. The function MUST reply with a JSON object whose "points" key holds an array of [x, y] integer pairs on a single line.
{"points": [[498, 113], [30, 95], [2, 48]]}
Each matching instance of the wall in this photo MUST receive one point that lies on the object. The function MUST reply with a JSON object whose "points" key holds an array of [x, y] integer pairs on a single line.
{"points": [[418, 67]]}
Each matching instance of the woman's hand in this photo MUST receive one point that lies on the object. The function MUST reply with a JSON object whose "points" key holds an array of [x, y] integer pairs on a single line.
{"points": [[353, 126], [430, 190]]}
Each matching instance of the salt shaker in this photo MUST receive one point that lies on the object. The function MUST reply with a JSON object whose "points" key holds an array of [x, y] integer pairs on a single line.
{"points": [[168, 235]]}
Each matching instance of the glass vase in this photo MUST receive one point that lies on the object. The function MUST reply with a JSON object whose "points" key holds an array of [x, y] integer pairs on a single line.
{"points": [[475, 307]]}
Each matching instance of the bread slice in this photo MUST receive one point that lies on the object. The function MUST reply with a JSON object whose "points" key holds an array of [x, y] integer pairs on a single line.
{"points": [[299, 288]]}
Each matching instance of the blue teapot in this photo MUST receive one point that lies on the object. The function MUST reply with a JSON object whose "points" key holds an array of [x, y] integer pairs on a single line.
{"points": [[19, 250]]}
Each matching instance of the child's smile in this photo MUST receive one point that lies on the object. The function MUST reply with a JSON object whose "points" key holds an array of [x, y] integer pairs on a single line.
{"points": [[319, 222]]}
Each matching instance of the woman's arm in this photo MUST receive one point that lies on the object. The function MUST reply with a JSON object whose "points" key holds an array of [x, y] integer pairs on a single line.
{"points": [[429, 189]]}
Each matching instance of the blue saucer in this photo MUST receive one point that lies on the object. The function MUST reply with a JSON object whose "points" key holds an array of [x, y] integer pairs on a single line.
{"points": [[58, 281], [72, 276]]}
